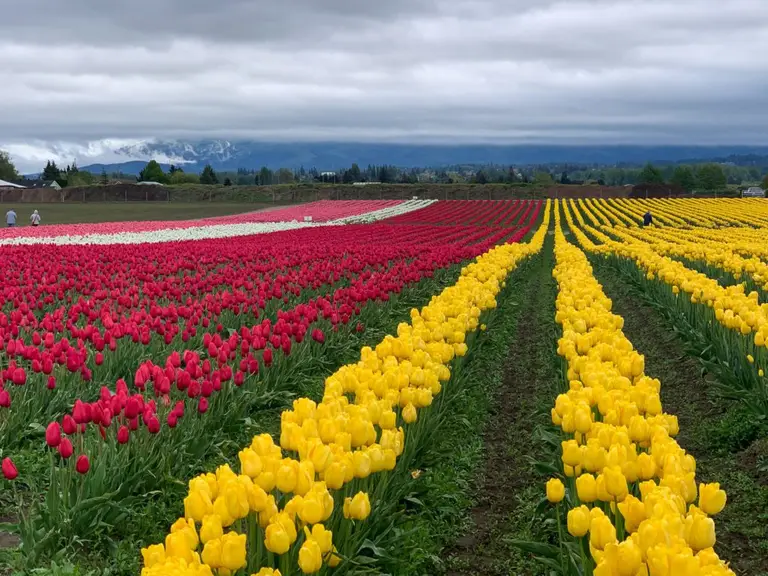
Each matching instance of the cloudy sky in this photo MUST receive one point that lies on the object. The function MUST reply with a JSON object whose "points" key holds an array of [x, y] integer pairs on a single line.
{"points": [[88, 75]]}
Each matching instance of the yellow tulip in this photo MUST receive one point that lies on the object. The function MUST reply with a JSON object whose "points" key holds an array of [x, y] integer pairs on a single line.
{"points": [[578, 521], [233, 551], [153, 555], [277, 539], [211, 529], [212, 553], [555, 490], [310, 557], [586, 488], [358, 507]]}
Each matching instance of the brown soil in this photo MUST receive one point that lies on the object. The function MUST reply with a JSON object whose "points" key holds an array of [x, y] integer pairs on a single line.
{"points": [[508, 487]]}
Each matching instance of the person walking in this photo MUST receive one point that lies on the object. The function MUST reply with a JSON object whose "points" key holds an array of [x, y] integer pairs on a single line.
{"points": [[10, 218], [647, 219], [35, 218]]}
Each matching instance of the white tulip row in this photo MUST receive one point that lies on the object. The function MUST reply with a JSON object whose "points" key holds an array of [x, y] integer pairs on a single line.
{"points": [[167, 235], [212, 231], [389, 212]]}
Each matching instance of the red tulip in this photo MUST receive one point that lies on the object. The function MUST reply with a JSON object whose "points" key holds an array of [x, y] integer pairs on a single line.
{"points": [[83, 464], [202, 405], [9, 469], [123, 434], [19, 377], [267, 357], [53, 434], [69, 425], [5, 399], [65, 448]]}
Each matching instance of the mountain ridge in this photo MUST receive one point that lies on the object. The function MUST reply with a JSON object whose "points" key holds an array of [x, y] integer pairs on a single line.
{"points": [[225, 155]]}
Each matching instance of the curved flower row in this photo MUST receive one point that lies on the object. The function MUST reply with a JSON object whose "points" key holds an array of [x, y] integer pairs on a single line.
{"points": [[633, 504], [301, 502], [386, 212], [319, 214], [319, 211]]}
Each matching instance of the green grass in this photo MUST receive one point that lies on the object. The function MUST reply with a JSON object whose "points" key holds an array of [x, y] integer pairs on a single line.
{"points": [[91, 212]]}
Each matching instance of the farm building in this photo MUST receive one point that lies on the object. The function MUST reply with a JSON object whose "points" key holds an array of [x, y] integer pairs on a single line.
{"points": [[38, 184], [4, 185]]}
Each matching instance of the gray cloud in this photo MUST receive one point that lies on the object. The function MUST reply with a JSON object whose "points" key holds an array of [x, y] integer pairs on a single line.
{"points": [[687, 71]]}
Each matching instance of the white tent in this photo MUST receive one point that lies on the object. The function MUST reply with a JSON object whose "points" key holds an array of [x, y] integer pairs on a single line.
{"points": [[4, 184]]}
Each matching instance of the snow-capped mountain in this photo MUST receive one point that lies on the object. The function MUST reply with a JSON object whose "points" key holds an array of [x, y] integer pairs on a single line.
{"points": [[130, 156]]}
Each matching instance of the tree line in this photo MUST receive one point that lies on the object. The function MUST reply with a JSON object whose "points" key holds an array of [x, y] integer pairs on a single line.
{"points": [[709, 177]]}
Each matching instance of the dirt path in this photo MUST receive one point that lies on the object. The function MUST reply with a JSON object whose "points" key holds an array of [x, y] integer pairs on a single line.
{"points": [[508, 488], [742, 528]]}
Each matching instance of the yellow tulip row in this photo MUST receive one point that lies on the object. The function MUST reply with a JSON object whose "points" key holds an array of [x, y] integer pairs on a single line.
{"points": [[696, 245], [279, 513], [674, 213], [733, 307], [630, 488]]}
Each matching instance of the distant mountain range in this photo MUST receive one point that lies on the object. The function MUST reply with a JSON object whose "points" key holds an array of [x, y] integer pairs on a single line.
{"points": [[224, 155]]}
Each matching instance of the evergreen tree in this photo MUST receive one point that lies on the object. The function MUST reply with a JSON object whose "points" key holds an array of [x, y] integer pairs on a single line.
{"points": [[208, 176], [51, 171], [227, 182], [152, 172]]}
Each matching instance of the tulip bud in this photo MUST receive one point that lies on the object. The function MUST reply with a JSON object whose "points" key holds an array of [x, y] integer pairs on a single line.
{"points": [[65, 448], [83, 464], [53, 434], [555, 490], [123, 434], [9, 469], [711, 498], [578, 521]]}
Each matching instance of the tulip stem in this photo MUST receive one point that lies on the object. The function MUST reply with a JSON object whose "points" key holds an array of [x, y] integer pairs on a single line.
{"points": [[560, 538], [586, 564]]}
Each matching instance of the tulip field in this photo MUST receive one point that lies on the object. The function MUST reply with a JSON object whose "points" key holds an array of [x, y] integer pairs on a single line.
{"points": [[389, 387]]}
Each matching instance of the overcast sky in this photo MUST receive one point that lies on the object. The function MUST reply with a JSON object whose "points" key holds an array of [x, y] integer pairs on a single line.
{"points": [[77, 72]]}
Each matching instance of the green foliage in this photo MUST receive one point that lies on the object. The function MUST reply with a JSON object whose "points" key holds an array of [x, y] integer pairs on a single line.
{"points": [[650, 175], [208, 176], [543, 179], [80, 179], [684, 177], [227, 182], [711, 178], [765, 182], [153, 172], [7, 168], [178, 176]]}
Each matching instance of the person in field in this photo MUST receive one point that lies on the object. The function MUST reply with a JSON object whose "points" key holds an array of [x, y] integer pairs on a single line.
{"points": [[647, 219], [35, 218], [10, 218]]}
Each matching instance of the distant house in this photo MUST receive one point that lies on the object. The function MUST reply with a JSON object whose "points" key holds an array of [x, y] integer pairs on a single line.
{"points": [[4, 185], [149, 183], [39, 184], [753, 192]]}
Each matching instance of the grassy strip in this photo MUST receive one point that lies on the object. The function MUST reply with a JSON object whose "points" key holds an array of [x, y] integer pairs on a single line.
{"points": [[476, 488], [715, 431]]}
